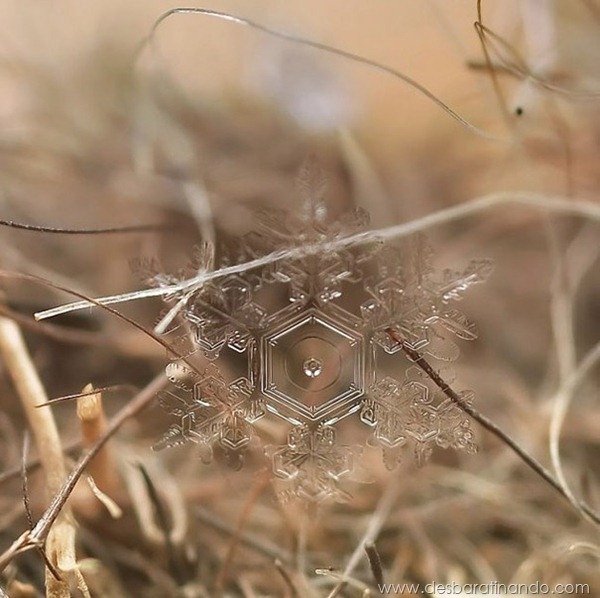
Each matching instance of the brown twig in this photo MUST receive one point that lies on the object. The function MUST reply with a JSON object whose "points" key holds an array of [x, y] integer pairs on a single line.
{"points": [[134, 228], [15, 472], [375, 563], [25, 481], [489, 425], [501, 69], [518, 67], [87, 393]]}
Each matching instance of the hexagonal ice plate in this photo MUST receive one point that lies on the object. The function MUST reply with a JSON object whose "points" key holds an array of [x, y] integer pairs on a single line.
{"points": [[313, 368]]}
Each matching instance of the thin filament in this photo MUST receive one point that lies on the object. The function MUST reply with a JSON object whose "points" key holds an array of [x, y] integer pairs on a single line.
{"points": [[547, 203], [134, 228], [323, 48]]}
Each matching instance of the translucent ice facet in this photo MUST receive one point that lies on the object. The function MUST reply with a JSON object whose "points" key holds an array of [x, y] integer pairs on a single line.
{"points": [[208, 412], [312, 463]]}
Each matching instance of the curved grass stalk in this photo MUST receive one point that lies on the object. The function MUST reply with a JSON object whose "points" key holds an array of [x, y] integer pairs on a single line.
{"points": [[149, 40]]}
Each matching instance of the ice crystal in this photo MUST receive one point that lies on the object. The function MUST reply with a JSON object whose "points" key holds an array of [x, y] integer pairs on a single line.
{"points": [[312, 463], [223, 314], [402, 412], [318, 355], [209, 411]]}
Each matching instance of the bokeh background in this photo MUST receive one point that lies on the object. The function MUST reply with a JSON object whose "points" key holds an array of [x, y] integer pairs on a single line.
{"points": [[93, 134]]}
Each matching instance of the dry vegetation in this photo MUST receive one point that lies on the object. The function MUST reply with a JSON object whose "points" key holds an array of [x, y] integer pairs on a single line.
{"points": [[112, 136]]}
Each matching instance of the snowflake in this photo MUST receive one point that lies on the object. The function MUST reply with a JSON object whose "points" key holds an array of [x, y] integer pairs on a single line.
{"points": [[210, 413], [309, 335], [399, 412], [224, 315], [312, 463]]}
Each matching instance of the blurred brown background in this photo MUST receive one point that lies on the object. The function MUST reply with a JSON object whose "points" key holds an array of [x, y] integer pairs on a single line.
{"points": [[87, 141]]}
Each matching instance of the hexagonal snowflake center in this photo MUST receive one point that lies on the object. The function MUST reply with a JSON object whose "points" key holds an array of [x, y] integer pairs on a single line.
{"points": [[313, 367]]}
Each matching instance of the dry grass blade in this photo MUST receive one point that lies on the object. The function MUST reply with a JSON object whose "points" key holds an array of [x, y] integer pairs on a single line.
{"points": [[59, 546], [103, 481], [292, 592], [255, 542], [91, 392], [546, 203], [163, 521], [39, 533]]}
